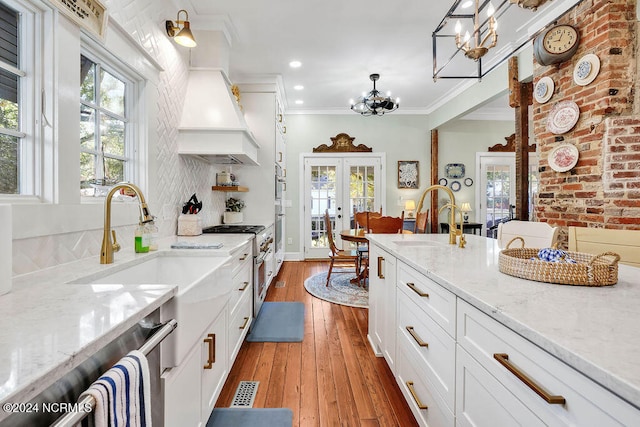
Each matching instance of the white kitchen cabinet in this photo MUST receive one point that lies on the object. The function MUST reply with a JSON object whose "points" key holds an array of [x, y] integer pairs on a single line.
{"points": [[526, 367], [382, 304], [192, 388]]}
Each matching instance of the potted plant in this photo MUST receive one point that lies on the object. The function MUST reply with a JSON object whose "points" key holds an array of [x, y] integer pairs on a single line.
{"points": [[233, 214]]}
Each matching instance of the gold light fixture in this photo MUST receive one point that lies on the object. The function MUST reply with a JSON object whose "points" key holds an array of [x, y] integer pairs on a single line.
{"points": [[182, 36], [479, 49]]}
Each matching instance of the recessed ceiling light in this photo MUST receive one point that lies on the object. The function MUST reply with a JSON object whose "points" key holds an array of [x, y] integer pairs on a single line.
{"points": [[295, 64], [299, 102], [298, 87], [466, 4]]}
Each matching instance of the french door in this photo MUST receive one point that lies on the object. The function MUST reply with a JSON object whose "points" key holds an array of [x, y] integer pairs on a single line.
{"points": [[338, 183], [497, 196]]}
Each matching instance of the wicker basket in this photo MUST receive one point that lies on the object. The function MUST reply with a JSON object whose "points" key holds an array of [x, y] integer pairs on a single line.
{"points": [[589, 270]]}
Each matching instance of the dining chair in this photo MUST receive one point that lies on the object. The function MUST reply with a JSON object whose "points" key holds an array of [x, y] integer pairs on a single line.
{"points": [[361, 223], [625, 243], [534, 234], [338, 257], [422, 220], [385, 224]]}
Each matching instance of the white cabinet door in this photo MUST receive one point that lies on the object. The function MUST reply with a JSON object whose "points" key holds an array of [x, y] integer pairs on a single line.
{"points": [[382, 304], [182, 393], [214, 363]]}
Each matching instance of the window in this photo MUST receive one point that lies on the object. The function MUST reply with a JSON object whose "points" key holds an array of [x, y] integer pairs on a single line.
{"points": [[10, 79], [106, 152]]}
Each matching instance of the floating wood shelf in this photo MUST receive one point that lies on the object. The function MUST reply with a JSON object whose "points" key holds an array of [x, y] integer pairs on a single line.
{"points": [[237, 188]]}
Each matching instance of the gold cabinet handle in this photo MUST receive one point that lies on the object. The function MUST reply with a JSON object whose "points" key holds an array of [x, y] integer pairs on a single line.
{"points": [[415, 336], [280, 118], [503, 359], [284, 129], [284, 186], [244, 287], [380, 275], [279, 156], [415, 289], [211, 340], [415, 396], [244, 325], [244, 257], [284, 172]]}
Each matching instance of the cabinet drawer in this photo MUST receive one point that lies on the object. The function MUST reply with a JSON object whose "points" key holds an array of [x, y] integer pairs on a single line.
{"points": [[585, 402], [420, 334], [426, 405], [481, 401], [240, 257], [242, 284], [435, 300], [239, 325]]}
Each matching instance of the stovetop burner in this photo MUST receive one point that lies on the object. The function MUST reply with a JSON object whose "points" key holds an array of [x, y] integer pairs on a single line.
{"points": [[255, 229]]}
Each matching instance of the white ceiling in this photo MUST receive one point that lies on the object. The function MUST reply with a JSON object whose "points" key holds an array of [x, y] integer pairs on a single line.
{"points": [[340, 43]]}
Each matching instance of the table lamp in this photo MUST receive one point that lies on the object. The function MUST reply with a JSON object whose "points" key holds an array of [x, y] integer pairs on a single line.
{"points": [[465, 209], [410, 207]]}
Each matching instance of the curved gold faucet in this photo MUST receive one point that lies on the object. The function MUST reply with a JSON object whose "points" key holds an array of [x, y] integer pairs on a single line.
{"points": [[109, 246], [459, 229], [452, 216]]}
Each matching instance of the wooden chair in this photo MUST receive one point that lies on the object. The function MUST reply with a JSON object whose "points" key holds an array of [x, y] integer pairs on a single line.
{"points": [[422, 221], [361, 223], [535, 234], [338, 257], [360, 218], [625, 243], [386, 224]]}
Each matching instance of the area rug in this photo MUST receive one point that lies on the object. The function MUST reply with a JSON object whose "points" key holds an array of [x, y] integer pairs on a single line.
{"points": [[278, 322], [340, 290], [250, 417]]}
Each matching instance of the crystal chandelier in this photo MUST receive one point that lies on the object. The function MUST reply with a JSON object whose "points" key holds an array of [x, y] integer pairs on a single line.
{"points": [[374, 103], [479, 49]]}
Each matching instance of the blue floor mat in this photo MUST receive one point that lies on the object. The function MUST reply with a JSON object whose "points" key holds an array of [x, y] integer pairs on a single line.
{"points": [[278, 322], [249, 417]]}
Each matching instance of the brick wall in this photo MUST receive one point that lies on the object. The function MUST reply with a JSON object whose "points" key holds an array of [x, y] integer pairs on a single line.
{"points": [[603, 189]]}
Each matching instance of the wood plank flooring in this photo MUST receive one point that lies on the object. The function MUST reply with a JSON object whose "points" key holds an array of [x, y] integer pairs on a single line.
{"points": [[331, 378]]}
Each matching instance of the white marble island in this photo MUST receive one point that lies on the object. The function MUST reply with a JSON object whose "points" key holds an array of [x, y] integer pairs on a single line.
{"points": [[594, 330]]}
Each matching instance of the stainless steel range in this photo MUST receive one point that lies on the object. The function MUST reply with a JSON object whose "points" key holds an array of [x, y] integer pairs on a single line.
{"points": [[262, 252]]}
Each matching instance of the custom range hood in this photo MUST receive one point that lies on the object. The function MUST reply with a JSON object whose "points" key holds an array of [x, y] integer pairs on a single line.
{"points": [[212, 127]]}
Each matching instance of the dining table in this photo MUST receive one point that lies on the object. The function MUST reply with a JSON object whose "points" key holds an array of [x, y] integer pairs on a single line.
{"points": [[358, 236]]}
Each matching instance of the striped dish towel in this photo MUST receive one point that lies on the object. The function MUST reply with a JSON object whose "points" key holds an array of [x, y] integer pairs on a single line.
{"points": [[123, 394]]}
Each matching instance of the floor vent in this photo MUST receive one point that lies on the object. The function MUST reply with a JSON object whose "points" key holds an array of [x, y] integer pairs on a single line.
{"points": [[245, 394], [280, 284]]}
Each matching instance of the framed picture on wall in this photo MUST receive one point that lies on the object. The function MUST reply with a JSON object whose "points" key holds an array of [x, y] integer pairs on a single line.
{"points": [[408, 174]]}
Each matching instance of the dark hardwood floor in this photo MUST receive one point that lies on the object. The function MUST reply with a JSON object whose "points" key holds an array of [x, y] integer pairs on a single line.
{"points": [[331, 378]]}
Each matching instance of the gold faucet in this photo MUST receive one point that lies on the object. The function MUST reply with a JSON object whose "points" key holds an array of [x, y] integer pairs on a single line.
{"points": [[452, 216], [458, 229], [108, 246]]}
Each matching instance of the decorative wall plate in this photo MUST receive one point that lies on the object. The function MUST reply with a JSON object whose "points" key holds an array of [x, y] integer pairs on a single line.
{"points": [[544, 90], [454, 170], [455, 186], [443, 182], [586, 69], [468, 182], [563, 158], [563, 117]]}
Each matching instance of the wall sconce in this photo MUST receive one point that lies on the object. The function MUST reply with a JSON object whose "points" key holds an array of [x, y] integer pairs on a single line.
{"points": [[465, 209], [182, 36], [410, 206]]}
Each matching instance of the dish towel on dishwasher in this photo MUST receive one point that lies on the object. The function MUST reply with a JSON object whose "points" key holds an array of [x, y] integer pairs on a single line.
{"points": [[123, 394]]}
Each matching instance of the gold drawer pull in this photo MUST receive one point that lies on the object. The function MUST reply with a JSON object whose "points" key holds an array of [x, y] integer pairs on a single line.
{"points": [[503, 359], [380, 275], [416, 337], [244, 287], [211, 339], [415, 396], [415, 289], [244, 257], [244, 325]]}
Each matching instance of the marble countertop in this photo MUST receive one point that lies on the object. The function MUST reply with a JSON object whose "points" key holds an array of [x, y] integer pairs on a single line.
{"points": [[592, 329], [48, 326]]}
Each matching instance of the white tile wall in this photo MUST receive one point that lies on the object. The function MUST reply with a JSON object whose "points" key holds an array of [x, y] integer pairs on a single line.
{"points": [[178, 177]]}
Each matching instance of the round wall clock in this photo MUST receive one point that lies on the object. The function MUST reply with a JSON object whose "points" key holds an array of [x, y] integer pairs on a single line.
{"points": [[556, 44]]}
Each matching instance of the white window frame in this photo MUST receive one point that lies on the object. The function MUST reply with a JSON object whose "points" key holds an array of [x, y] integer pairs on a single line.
{"points": [[109, 63], [31, 23]]}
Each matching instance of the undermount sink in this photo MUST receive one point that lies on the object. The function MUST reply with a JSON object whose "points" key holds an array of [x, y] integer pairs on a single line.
{"points": [[417, 243], [204, 286]]}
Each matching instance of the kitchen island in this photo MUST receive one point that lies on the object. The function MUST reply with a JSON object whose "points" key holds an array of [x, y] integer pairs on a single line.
{"points": [[49, 326], [587, 330]]}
